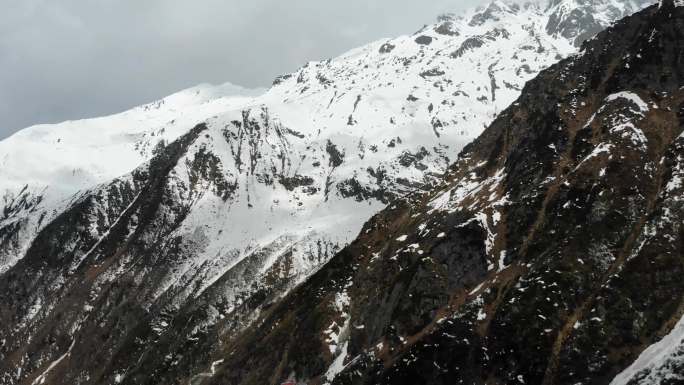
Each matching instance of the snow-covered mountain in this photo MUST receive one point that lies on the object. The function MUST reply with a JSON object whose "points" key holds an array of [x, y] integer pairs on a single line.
{"points": [[551, 253], [45, 168], [214, 202], [371, 124]]}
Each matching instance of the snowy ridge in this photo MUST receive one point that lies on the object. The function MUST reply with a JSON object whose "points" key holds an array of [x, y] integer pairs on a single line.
{"points": [[75, 155]]}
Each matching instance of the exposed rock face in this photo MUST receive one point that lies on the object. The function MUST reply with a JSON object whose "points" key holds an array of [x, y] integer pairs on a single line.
{"points": [[553, 253], [578, 21], [152, 277]]}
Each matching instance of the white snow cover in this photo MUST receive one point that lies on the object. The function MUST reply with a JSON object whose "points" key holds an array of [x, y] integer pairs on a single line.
{"points": [[74, 155], [632, 97], [51, 166], [654, 360], [338, 335]]}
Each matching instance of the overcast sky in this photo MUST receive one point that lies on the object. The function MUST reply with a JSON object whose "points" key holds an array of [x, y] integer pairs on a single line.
{"points": [[69, 59]]}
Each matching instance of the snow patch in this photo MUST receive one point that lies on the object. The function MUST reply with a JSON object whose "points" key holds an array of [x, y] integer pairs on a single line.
{"points": [[632, 97], [651, 367], [41, 378]]}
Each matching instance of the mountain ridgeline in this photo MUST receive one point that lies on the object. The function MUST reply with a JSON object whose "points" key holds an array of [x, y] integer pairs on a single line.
{"points": [[552, 254], [550, 251]]}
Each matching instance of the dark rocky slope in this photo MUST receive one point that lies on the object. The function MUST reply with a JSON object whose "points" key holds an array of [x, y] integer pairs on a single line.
{"points": [[553, 253]]}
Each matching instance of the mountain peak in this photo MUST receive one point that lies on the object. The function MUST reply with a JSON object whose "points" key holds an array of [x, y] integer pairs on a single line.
{"points": [[494, 11]]}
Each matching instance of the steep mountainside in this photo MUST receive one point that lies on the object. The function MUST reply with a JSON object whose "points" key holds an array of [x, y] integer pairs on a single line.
{"points": [[146, 277], [552, 254]]}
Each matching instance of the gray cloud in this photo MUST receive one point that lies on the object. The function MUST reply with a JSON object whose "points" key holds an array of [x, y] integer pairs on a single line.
{"points": [[69, 59]]}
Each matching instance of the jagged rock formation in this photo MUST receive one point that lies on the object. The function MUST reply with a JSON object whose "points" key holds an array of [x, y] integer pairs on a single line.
{"points": [[151, 276]]}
